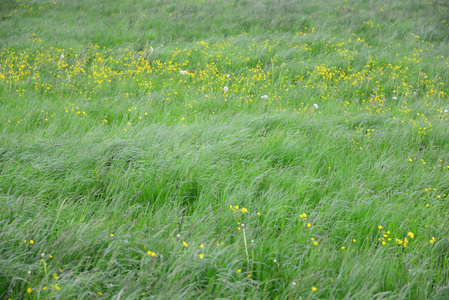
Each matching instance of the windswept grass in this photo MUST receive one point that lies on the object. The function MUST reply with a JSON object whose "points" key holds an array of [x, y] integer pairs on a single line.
{"points": [[215, 149]]}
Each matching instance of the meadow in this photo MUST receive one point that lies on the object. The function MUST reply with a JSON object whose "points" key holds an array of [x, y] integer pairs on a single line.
{"points": [[211, 149]]}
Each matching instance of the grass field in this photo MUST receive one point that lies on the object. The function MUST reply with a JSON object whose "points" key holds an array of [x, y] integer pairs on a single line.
{"points": [[224, 149]]}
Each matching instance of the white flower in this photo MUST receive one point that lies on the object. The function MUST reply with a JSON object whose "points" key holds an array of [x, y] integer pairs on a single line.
{"points": [[225, 89], [62, 57], [42, 255], [264, 97], [178, 235], [151, 49], [446, 111], [228, 76], [183, 72], [395, 98], [315, 106]]}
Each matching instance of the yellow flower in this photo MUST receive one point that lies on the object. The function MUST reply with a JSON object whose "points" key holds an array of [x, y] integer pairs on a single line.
{"points": [[202, 246], [100, 293], [354, 240], [343, 248], [315, 243], [31, 242], [44, 288], [410, 234], [380, 227], [185, 244], [201, 255], [308, 225], [111, 235], [244, 210], [239, 271], [249, 275], [258, 213], [314, 289], [29, 290]]}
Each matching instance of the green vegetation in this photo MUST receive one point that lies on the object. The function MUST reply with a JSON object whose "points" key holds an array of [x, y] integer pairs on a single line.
{"points": [[217, 149]]}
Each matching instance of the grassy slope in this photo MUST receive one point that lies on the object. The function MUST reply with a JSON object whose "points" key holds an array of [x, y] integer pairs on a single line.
{"points": [[109, 153]]}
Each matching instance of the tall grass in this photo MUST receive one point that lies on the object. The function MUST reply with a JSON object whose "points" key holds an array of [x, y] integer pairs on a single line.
{"points": [[215, 149]]}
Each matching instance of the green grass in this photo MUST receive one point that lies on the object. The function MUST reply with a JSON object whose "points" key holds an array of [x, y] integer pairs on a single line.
{"points": [[122, 178]]}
